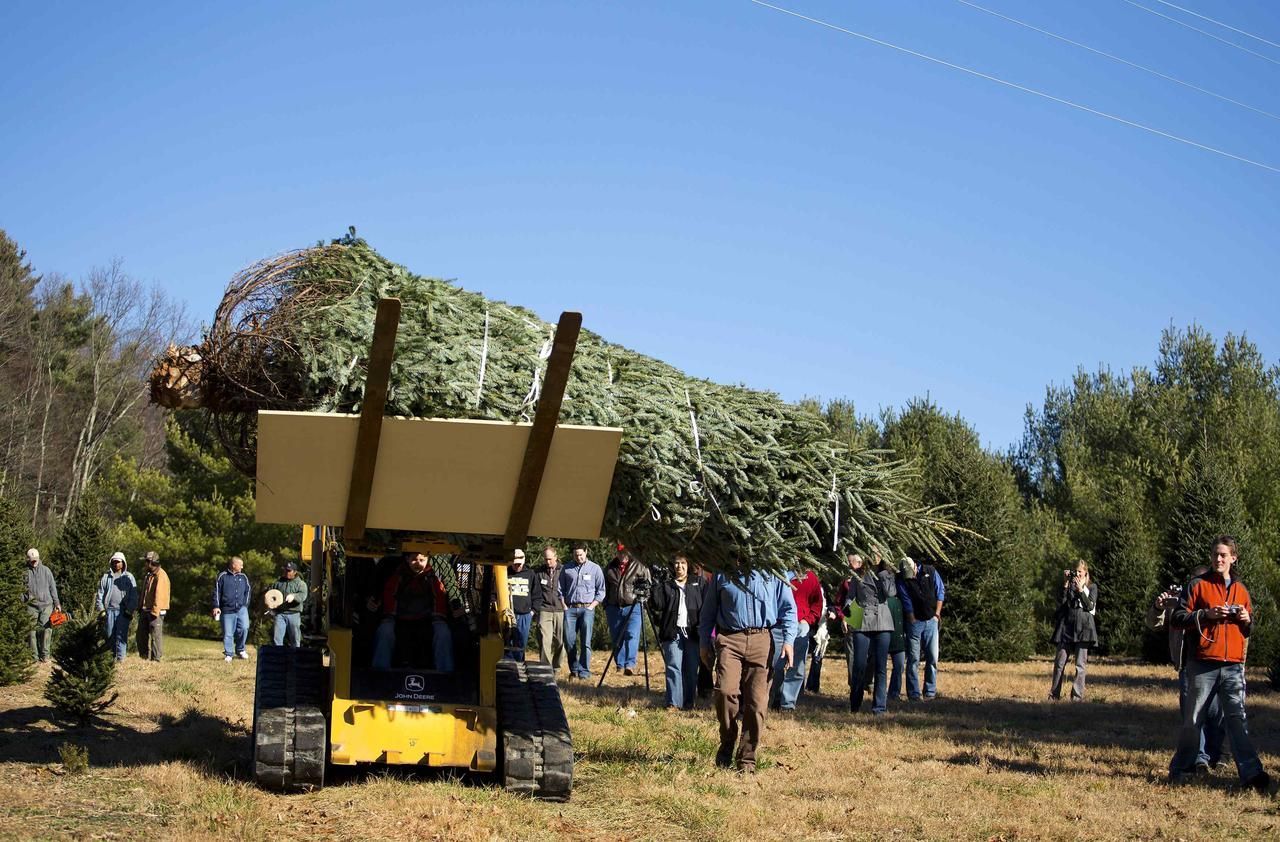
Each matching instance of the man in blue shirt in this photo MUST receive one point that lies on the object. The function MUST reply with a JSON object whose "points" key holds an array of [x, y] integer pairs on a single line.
{"points": [[923, 594], [231, 608], [582, 584], [742, 608]]}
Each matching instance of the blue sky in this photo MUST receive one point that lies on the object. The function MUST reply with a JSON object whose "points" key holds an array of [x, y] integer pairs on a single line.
{"points": [[748, 196]]}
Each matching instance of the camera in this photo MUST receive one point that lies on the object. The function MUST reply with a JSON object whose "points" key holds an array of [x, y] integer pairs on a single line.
{"points": [[1234, 610], [641, 590]]}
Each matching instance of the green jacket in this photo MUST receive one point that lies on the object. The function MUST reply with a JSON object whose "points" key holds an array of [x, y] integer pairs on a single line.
{"points": [[897, 640], [298, 588]]}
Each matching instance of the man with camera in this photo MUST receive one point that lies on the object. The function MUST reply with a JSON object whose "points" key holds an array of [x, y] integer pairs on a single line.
{"points": [[1216, 613], [1160, 617], [627, 582]]}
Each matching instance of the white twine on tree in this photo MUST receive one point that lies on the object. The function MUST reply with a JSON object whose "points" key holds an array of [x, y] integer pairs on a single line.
{"points": [[535, 389], [834, 497], [693, 424], [654, 513], [695, 486], [484, 357]]}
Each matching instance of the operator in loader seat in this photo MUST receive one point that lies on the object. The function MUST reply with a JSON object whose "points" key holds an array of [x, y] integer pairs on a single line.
{"points": [[415, 611]]}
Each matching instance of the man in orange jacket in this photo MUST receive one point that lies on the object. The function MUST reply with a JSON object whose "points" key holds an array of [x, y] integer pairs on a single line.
{"points": [[1215, 612]]}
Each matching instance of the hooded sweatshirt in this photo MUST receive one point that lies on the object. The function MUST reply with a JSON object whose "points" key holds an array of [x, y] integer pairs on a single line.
{"points": [[118, 591]]}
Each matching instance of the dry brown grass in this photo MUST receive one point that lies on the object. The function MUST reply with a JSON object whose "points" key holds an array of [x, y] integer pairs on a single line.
{"points": [[988, 760]]}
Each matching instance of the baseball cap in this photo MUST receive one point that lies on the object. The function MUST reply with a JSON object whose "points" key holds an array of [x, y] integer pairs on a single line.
{"points": [[291, 566], [33, 554]]}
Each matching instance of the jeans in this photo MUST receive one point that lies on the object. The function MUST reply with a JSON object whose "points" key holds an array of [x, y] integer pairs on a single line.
{"points": [[625, 624], [861, 646], [1205, 679], [41, 632], [519, 637], [441, 643], [117, 632], [681, 657], [1214, 732], [922, 636], [577, 629], [288, 630], [235, 630], [787, 683], [1060, 669], [895, 677]]}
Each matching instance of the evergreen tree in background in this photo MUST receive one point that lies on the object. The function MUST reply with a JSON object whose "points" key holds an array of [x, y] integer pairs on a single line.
{"points": [[84, 670], [1125, 567], [195, 514], [991, 570], [80, 555], [1210, 506], [15, 622]]}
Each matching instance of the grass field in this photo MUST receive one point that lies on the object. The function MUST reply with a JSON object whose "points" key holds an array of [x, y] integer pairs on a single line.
{"points": [[989, 759]]}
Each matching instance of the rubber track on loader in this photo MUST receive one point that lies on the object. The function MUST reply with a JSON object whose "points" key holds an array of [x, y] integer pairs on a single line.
{"points": [[537, 751], [290, 734]]}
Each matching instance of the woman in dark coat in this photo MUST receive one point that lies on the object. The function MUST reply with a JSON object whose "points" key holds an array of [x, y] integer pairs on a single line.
{"points": [[1074, 629], [674, 608]]}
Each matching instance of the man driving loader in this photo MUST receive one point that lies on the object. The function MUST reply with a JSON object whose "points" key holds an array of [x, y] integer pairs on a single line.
{"points": [[415, 611]]}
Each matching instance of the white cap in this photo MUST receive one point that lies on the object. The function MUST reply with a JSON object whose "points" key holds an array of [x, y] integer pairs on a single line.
{"points": [[33, 554], [117, 556], [908, 567]]}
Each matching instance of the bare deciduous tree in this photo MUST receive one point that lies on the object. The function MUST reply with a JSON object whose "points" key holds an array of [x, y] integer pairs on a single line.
{"points": [[131, 323]]}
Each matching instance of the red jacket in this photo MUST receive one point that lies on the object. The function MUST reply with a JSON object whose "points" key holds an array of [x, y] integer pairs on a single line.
{"points": [[1223, 640], [414, 596], [808, 593]]}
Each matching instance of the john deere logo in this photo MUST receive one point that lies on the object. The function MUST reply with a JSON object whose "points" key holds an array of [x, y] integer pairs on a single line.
{"points": [[414, 683]]}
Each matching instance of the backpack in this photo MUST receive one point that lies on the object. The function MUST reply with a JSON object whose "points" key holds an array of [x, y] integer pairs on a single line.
{"points": [[928, 593]]}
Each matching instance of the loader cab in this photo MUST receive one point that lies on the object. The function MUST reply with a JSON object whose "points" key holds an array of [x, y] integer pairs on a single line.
{"points": [[401, 652]]}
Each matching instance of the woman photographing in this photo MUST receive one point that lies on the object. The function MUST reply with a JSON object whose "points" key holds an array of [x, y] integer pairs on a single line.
{"points": [[1074, 629]]}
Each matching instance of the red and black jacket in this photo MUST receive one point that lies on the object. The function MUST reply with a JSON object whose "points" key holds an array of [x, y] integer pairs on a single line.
{"points": [[1223, 641]]}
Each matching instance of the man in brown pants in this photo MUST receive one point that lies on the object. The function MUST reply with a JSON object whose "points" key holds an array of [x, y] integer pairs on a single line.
{"points": [[152, 606], [742, 609]]}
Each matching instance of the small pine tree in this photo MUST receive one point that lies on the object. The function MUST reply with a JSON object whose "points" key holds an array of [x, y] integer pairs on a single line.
{"points": [[15, 622], [1125, 568], [1211, 505], [84, 671], [80, 555]]}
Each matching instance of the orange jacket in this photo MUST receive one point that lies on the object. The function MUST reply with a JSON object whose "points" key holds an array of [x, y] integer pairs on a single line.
{"points": [[155, 592], [1224, 640]]}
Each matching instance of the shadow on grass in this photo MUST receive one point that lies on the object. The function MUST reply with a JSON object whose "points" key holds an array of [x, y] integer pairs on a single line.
{"points": [[1165, 682], [214, 745], [628, 696]]}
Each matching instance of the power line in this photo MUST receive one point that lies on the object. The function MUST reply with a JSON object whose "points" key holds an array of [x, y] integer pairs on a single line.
{"points": [[1022, 88], [1220, 23], [1124, 61], [1240, 47]]}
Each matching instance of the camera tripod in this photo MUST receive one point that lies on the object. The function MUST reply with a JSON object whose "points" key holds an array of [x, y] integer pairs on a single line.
{"points": [[617, 644]]}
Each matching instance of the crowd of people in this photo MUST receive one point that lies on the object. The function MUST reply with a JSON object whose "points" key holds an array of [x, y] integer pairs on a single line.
{"points": [[750, 640], [119, 597], [754, 641], [745, 638]]}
